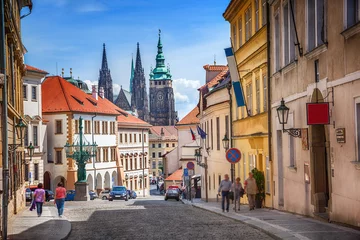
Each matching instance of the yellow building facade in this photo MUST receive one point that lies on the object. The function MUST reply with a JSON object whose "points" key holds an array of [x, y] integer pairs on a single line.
{"points": [[247, 20]]}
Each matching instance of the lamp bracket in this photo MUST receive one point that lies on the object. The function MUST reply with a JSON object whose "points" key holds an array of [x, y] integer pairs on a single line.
{"points": [[294, 132], [13, 147]]}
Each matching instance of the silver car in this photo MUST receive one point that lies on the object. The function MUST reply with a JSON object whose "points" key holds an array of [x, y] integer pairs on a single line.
{"points": [[104, 195]]}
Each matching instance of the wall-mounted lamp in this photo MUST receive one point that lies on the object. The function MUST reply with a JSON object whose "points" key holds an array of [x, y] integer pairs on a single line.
{"points": [[283, 115]]}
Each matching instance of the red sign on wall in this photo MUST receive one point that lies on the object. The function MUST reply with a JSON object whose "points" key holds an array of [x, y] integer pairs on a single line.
{"points": [[317, 113]]}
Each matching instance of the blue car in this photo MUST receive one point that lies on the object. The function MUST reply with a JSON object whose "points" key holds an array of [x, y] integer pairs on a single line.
{"points": [[70, 195], [133, 195], [119, 192]]}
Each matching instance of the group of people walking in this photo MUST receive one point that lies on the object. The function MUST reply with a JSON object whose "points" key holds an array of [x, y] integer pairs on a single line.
{"points": [[226, 188], [39, 199]]}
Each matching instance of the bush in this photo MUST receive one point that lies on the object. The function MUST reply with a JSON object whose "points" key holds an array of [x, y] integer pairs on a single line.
{"points": [[260, 182]]}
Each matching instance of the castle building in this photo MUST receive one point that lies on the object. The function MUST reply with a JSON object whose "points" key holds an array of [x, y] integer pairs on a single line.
{"points": [[105, 80], [162, 103]]}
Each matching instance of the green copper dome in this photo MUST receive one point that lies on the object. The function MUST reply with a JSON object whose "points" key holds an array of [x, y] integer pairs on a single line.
{"points": [[160, 72]]}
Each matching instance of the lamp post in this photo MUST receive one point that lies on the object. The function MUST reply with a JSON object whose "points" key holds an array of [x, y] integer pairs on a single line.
{"points": [[81, 151], [30, 149], [226, 143], [20, 132], [283, 115]]}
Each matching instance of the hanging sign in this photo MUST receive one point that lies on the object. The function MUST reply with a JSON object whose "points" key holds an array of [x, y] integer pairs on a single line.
{"points": [[318, 113]]}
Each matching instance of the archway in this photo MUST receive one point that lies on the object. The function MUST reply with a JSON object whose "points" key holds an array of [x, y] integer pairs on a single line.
{"points": [[320, 185], [114, 178], [107, 181], [99, 183], [57, 180], [90, 181], [47, 181]]}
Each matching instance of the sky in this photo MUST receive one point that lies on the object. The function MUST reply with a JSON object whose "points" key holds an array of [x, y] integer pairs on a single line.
{"points": [[70, 34]]}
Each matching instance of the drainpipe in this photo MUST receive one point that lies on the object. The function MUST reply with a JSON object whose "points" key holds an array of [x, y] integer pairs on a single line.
{"points": [[93, 158], [269, 94], [5, 146], [232, 170]]}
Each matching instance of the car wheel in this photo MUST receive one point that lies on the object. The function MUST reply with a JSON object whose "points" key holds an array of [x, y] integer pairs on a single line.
{"points": [[177, 199], [126, 199], [104, 198], [110, 200]]}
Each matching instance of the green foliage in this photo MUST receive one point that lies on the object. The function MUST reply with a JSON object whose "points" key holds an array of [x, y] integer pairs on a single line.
{"points": [[260, 182]]}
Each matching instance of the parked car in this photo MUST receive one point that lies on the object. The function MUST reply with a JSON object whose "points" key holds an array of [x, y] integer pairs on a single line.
{"points": [[70, 195], [172, 194], [133, 195], [104, 195], [119, 192], [28, 194], [49, 195], [93, 195]]}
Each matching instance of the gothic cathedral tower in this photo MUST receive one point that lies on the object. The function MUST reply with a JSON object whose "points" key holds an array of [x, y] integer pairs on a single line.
{"points": [[139, 98], [105, 80], [162, 103]]}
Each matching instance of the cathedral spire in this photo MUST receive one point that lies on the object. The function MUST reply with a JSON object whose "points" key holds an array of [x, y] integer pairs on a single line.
{"points": [[104, 64], [160, 59], [132, 74]]}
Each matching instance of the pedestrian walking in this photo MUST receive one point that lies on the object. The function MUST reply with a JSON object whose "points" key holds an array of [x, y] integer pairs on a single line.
{"points": [[224, 189], [60, 194], [251, 189], [238, 192], [157, 187], [39, 198]]}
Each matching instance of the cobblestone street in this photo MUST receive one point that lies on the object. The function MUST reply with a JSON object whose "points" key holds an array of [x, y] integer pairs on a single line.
{"points": [[152, 218]]}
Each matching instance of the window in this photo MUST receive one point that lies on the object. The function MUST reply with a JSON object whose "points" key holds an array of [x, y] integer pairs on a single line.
{"points": [[153, 145], [257, 85], [36, 171], [35, 136], [289, 34], [240, 31], [249, 97], [209, 183], [141, 163], [112, 127], [130, 137], [104, 127], [219, 179], [277, 41], [105, 155], [248, 23], [212, 135], [98, 155], [97, 127], [144, 137], [58, 156], [140, 137], [77, 126], [218, 133], [26, 173], [234, 35], [121, 138], [264, 14], [159, 154], [167, 145], [207, 130], [159, 145], [25, 92], [352, 12], [58, 127], [154, 165], [267, 184], [173, 145], [265, 92], [136, 165], [33, 93], [160, 163], [315, 27], [26, 137], [252, 161], [113, 154], [227, 130], [153, 154], [125, 137], [134, 138], [317, 74], [291, 151], [256, 15], [357, 122], [87, 127]]}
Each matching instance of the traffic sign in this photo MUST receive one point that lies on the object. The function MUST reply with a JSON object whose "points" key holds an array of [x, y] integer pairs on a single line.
{"points": [[233, 155], [191, 172], [190, 165], [186, 172]]}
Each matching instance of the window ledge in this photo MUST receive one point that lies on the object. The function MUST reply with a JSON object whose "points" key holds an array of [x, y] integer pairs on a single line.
{"points": [[316, 51], [289, 67], [357, 164], [292, 168], [277, 74], [351, 31]]}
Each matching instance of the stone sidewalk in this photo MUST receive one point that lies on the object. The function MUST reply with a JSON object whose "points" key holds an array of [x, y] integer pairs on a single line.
{"points": [[282, 225], [27, 225]]}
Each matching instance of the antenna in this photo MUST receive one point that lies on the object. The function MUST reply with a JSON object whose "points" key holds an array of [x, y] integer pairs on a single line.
{"points": [[214, 59]]}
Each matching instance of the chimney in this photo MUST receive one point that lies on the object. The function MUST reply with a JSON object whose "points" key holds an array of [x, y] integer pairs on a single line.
{"points": [[62, 72], [94, 92], [71, 72], [101, 92], [162, 132]]}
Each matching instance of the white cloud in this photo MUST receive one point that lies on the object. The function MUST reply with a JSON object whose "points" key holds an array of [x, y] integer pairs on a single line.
{"points": [[91, 8], [182, 82], [180, 98], [116, 87]]}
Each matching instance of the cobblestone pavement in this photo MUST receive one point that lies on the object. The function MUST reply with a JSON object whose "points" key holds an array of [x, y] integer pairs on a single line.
{"points": [[152, 218]]}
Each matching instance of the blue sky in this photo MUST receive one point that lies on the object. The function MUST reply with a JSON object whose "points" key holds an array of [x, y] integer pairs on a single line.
{"points": [[70, 33]]}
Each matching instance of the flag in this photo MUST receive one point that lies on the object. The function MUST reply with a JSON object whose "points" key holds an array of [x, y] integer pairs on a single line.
{"points": [[192, 134], [201, 132], [235, 77]]}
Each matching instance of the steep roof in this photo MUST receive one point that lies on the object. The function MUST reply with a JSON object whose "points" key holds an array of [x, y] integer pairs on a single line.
{"points": [[131, 120], [215, 80], [34, 69], [169, 131], [127, 95], [176, 176], [215, 68], [58, 95], [190, 118]]}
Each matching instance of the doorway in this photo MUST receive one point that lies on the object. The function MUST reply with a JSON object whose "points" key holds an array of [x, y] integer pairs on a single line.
{"points": [[47, 180]]}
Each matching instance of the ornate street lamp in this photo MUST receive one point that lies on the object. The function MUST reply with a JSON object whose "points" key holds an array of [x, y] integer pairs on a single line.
{"points": [[225, 142], [283, 115], [20, 132], [81, 151], [31, 149], [198, 158]]}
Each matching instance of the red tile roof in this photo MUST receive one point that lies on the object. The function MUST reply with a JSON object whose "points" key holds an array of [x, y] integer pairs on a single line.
{"points": [[34, 69], [168, 130], [215, 68], [190, 118], [131, 120], [58, 95], [176, 176], [215, 80]]}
